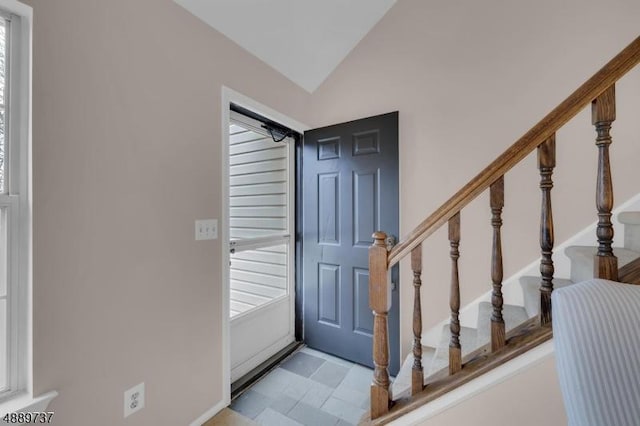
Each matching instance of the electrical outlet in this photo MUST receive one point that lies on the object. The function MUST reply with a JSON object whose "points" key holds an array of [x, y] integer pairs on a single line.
{"points": [[134, 399], [207, 229]]}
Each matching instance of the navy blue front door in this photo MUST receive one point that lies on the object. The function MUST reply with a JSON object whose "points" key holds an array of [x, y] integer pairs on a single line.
{"points": [[350, 190]]}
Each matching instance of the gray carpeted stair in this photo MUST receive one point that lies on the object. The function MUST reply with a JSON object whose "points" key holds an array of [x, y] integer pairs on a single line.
{"points": [[631, 221], [401, 386], [513, 316], [468, 342], [531, 292], [435, 360], [582, 260]]}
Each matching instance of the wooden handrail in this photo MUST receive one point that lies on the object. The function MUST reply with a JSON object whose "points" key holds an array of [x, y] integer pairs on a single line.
{"points": [[569, 108]]}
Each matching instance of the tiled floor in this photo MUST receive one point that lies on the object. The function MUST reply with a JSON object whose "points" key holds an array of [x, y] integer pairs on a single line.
{"points": [[310, 388]]}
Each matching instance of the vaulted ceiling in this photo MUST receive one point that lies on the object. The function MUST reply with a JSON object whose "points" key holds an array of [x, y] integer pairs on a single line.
{"points": [[305, 40]]}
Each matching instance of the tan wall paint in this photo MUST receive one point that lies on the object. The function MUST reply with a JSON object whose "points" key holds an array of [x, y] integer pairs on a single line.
{"points": [[498, 405], [126, 154], [469, 78]]}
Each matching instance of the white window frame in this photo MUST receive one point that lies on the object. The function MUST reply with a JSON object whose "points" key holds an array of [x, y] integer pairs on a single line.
{"points": [[17, 199]]}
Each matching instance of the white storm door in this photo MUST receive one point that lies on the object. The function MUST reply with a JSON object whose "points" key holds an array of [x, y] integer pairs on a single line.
{"points": [[261, 229]]}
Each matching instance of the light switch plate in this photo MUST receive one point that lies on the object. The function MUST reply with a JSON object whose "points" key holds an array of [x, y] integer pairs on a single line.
{"points": [[207, 229]]}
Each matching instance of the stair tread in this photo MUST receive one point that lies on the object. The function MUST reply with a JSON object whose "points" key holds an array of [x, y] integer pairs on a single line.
{"points": [[513, 316], [534, 281], [531, 292], [401, 386], [582, 260], [629, 218], [624, 255], [468, 343], [435, 360]]}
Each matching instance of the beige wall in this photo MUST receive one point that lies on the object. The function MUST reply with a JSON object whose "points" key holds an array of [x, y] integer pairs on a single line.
{"points": [[469, 78], [537, 402], [126, 157], [126, 154]]}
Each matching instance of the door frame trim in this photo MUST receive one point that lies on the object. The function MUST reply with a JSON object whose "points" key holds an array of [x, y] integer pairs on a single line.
{"points": [[228, 97]]}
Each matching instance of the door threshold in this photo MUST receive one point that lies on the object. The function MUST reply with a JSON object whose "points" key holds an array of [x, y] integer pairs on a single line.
{"points": [[244, 382]]}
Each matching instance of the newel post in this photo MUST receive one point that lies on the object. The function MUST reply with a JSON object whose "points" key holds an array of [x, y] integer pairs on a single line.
{"points": [[380, 303]]}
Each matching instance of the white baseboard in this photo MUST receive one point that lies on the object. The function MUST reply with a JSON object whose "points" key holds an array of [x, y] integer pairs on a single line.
{"points": [[209, 413]]}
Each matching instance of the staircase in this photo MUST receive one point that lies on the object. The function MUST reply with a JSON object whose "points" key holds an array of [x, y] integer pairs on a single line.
{"points": [[502, 331], [435, 359]]}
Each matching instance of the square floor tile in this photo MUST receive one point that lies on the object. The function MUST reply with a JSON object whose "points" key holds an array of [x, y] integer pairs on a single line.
{"points": [[303, 364], [280, 379], [298, 387], [251, 404], [270, 417], [283, 403], [317, 394], [330, 374], [359, 378], [366, 405], [327, 357], [343, 410], [350, 395], [310, 388], [312, 416], [270, 385]]}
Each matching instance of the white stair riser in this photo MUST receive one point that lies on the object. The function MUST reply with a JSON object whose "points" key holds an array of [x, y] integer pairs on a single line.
{"points": [[582, 260], [512, 315], [581, 269], [531, 292], [632, 237]]}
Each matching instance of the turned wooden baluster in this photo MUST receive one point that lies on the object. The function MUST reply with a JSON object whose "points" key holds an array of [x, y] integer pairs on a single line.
{"points": [[455, 350], [417, 373], [496, 195], [546, 163], [380, 303], [603, 113]]}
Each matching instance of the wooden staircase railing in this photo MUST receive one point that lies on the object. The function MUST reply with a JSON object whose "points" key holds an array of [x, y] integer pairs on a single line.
{"points": [[599, 91]]}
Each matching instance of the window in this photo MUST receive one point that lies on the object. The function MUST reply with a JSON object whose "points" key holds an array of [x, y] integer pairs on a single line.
{"points": [[14, 202]]}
